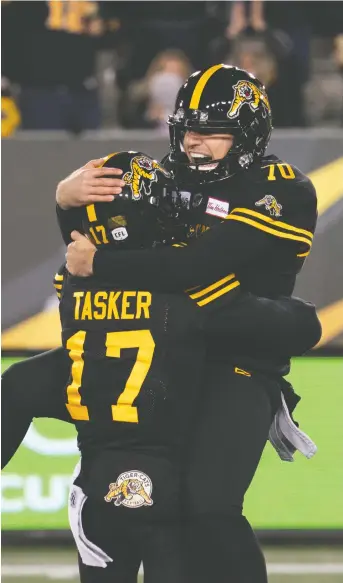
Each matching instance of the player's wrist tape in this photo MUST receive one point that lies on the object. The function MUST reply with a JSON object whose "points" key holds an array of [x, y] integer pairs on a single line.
{"points": [[286, 438]]}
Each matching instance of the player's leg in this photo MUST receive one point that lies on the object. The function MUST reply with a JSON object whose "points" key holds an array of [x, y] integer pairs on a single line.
{"points": [[31, 388], [163, 551], [114, 538], [232, 428]]}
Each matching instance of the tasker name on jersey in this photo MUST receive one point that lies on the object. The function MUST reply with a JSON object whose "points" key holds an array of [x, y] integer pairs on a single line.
{"points": [[111, 305]]}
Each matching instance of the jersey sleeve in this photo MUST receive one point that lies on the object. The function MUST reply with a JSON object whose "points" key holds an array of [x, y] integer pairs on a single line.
{"points": [[282, 203], [210, 258], [59, 280]]}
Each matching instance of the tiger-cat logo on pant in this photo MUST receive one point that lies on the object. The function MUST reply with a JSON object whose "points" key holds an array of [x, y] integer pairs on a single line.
{"points": [[131, 489]]}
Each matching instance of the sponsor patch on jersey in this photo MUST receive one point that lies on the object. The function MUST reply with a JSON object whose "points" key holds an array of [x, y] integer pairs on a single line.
{"points": [[131, 489], [119, 234], [218, 208], [271, 205]]}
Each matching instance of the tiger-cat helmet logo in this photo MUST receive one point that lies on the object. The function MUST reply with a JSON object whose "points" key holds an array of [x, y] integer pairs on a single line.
{"points": [[143, 173], [248, 93]]}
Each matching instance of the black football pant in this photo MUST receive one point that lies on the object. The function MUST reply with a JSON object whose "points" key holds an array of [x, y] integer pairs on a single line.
{"points": [[233, 420], [159, 546]]}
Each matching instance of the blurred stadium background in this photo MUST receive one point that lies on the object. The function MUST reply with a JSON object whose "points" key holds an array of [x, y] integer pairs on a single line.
{"points": [[82, 79]]}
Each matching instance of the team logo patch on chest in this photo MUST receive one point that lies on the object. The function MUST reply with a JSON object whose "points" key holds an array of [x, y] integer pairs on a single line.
{"points": [[270, 204], [217, 208], [132, 489]]}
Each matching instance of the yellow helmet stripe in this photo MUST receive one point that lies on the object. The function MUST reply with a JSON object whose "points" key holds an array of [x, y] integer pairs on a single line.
{"points": [[91, 208], [200, 86]]}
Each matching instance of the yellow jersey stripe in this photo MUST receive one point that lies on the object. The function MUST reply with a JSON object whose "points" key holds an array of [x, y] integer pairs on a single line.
{"points": [[59, 295], [91, 213], [219, 293], [59, 277], [303, 254], [272, 221], [280, 234], [210, 288], [58, 286], [200, 86]]}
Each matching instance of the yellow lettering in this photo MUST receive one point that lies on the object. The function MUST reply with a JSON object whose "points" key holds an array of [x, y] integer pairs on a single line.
{"points": [[101, 229], [96, 240], [126, 305], [143, 304], [87, 307], [100, 304], [77, 296], [112, 306]]}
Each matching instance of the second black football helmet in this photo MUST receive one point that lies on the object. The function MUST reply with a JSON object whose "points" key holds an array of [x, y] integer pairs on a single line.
{"points": [[222, 99], [146, 212]]}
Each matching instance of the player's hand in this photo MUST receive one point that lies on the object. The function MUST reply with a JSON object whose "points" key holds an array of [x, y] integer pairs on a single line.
{"points": [[87, 185], [80, 255]]}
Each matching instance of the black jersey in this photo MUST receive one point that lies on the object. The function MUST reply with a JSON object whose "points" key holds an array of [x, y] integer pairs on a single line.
{"points": [[134, 363], [258, 224]]}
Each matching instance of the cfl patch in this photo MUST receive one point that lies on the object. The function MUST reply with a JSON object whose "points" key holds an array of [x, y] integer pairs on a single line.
{"points": [[132, 489], [119, 234], [217, 208]]}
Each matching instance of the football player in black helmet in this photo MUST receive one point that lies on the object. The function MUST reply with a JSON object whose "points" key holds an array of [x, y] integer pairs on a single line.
{"points": [[235, 237], [229, 105]]}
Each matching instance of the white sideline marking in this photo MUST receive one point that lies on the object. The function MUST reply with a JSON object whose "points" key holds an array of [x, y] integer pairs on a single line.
{"points": [[71, 571]]}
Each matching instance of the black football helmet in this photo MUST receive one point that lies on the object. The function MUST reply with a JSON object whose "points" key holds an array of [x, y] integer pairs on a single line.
{"points": [[144, 215], [221, 99]]}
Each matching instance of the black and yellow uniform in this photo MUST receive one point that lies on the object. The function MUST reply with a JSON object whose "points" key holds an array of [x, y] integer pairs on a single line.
{"points": [[261, 223], [131, 393], [257, 224]]}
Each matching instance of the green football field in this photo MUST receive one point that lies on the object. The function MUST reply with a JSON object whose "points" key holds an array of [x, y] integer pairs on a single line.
{"points": [[290, 565]]}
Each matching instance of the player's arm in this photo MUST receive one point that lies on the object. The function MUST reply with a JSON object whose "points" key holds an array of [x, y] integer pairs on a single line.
{"points": [[282, 327], [248, 232], [217, 252], [86, 185]]}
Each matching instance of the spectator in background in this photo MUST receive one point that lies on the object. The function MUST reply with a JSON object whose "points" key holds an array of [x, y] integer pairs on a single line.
{"points": [[324, 95], [148, 32], [150, 100], [53, 46], [251, 44]]}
